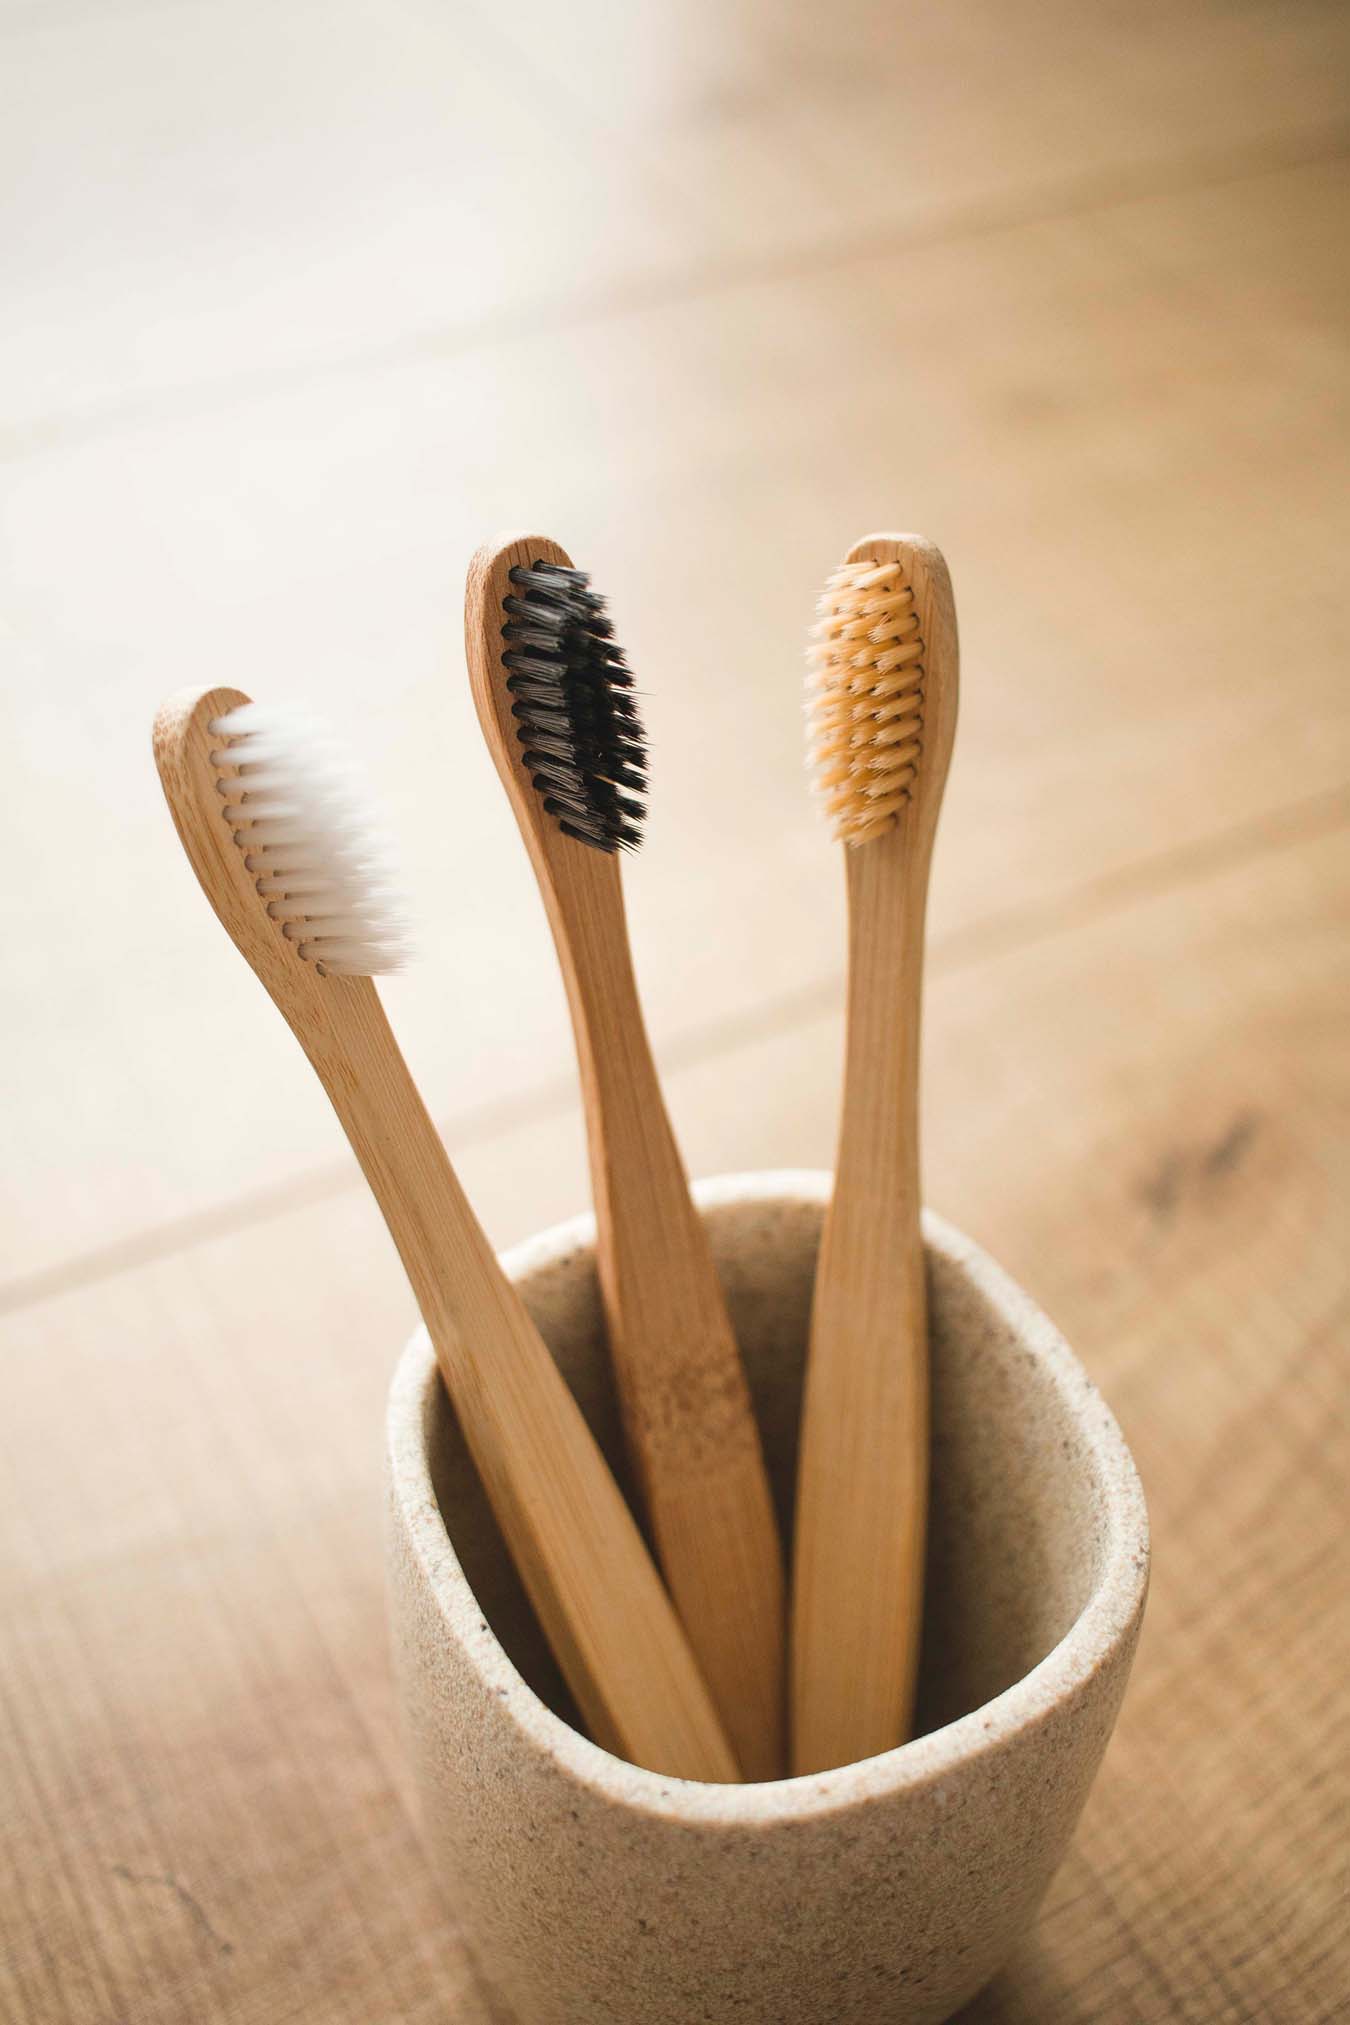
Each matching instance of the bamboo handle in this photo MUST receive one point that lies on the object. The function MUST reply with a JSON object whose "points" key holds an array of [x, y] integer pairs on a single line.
{"points": [[883, 718], [863, 1473], [572, 1537], [687, 1409]]}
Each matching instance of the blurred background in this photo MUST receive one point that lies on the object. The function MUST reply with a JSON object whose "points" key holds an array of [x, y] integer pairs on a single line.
{"points": [[303, 302]]}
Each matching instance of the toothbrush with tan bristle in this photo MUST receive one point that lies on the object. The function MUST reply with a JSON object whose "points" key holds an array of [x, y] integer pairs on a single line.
{"points": [[555, 699], [882, 714], [280, 842]]}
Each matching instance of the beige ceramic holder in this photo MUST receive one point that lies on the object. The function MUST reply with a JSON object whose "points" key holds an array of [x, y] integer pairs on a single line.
{"points": [[889, 1890]]}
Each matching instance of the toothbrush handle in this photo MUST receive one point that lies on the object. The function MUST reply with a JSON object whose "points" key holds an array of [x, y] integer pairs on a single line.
{"points": [[575, 1544], [863, 1468], [687, 1409]]}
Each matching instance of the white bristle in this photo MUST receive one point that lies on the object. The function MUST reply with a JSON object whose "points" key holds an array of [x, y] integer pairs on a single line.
{"points": [[302, 818]]}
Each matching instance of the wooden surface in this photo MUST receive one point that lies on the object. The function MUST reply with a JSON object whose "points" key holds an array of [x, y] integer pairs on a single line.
{"points": [[689, 1423], [288, 332]]}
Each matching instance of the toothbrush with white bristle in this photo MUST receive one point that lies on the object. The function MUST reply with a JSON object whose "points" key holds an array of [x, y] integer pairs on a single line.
{"points": [[275, 829]]}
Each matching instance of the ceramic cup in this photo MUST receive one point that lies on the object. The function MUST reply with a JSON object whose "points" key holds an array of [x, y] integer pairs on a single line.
{"points": [[594, 1893]]}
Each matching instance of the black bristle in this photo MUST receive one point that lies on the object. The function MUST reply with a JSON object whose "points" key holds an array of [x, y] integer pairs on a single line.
{"points": [[572, 698]]}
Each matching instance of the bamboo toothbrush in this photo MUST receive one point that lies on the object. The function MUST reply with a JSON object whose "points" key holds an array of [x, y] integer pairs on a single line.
{"points": [[882, 714], [281, 846], [556, 704]]}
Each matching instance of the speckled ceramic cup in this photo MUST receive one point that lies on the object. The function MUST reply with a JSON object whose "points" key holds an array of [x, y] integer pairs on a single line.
{"points": [[593, 1893]]}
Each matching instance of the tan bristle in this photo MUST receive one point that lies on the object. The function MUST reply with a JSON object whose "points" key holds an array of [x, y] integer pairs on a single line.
{"points": [[865, 699]]}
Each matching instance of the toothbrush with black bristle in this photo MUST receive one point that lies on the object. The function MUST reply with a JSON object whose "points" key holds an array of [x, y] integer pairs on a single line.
{"points": [[280, 840], [556, 702], [882, 716]]}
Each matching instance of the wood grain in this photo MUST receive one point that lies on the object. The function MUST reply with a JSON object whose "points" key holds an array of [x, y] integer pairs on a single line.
{"points": [[688, 1419], [1164, 401]]}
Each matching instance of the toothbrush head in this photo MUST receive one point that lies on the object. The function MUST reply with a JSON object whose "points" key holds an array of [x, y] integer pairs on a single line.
{"points": [[301, 816], [881, 686], [556, 695], [281, 836]]}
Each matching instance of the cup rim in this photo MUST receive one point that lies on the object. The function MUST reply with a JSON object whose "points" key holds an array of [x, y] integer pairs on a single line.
{"points": [[1109, 1615]]}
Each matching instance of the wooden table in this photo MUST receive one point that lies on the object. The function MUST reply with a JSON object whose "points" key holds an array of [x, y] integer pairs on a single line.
{"points": [[305, 304]]}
